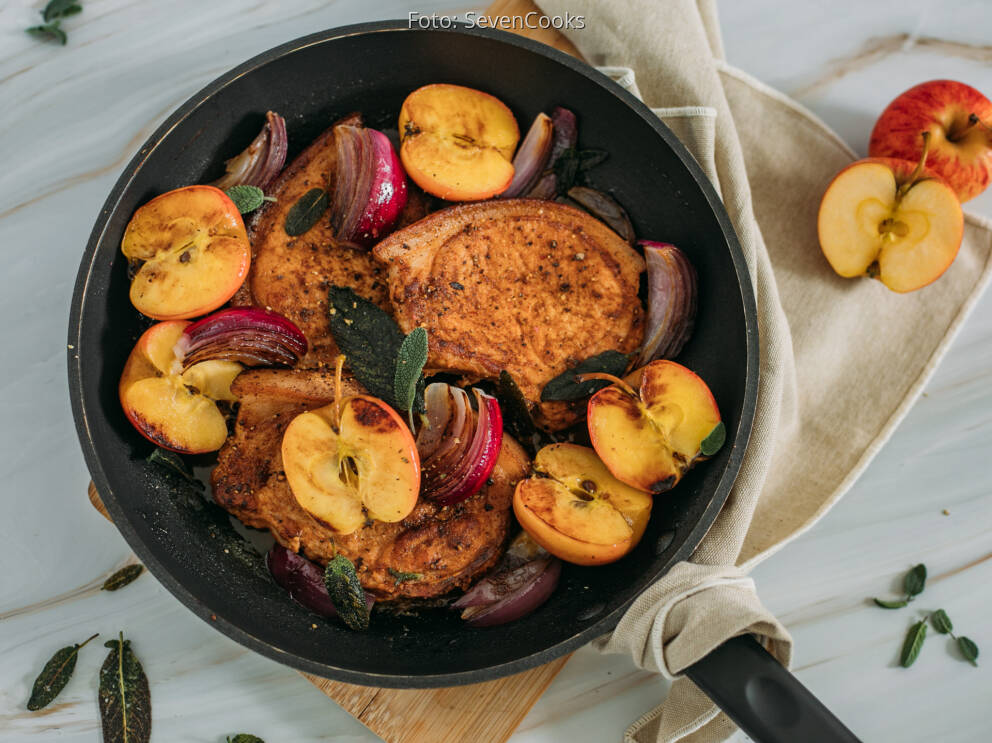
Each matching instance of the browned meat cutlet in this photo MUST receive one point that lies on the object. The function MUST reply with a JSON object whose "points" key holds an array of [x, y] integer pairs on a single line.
{"points": [[447, 546], [529, 286]]}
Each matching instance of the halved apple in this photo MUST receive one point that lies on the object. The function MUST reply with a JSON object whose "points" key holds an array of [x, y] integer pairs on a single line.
{"points": [[352, 464], [650, 437], [892, 220], [456, 142], [173, 408], [577, 510], [192, 251]]}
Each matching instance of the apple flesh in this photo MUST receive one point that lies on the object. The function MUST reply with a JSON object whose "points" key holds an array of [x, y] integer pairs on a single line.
{"points": [[192, 251], [576, 510], [354, 464], [650, 437], [957, 118], [172, 408], [457, 143], [890, 220]]}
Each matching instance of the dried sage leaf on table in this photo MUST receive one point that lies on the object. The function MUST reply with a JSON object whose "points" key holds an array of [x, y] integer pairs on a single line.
{"points": [[125, 701], [913, 643], [346, 593], [915, 580], [54, 676], [304, 214], [566, 387], [890, 604], [244, 738], [969, 650], [57, 9], [122, 577], [941, 622]]}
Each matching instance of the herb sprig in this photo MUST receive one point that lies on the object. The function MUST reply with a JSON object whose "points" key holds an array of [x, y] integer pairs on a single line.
{"points": [[913, 584], [53, 14], [54, 676]]}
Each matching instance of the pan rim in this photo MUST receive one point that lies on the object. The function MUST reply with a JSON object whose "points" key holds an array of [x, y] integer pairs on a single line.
{"points": [[199, 607]]}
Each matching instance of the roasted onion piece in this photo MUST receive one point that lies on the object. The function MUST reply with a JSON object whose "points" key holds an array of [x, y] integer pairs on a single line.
{"points": [[262, 161], [564, 137], [304, 580], [672, 301], [510, 594], [604, 208], [249, 335], [532, 157]]}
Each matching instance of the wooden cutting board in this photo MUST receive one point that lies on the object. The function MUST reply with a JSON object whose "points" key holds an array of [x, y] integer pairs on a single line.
{"points": [[488, 712]]}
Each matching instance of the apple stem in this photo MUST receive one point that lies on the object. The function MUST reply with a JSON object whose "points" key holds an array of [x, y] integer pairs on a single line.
{"points": [[973, 120], [917, 171], [606, 378], [338, 390]]}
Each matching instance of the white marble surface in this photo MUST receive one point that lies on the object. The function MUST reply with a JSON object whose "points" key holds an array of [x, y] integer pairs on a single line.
{"points": [[72, 117]]}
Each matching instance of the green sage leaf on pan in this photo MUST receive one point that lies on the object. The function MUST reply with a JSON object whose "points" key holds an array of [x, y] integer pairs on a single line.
{"points": [[401, 576], [172, 461], [890, 604], [941, 622], [572, 164], [54, 676], [915, 580], [244, 738], [566, 387], [122, 577], [912, 644], [246, 198], [969, 650], [410, 360], [58, 9], [346, 593], [714, 440], [125, 701], [306, 211], [48, 32]]}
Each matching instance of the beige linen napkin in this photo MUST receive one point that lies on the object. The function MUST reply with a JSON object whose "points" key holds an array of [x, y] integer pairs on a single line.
{"points": [[841, 360]]}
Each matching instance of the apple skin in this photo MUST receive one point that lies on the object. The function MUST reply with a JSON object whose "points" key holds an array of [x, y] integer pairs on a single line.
{"points": [[157, 399], [902, 170], [959, 153]]}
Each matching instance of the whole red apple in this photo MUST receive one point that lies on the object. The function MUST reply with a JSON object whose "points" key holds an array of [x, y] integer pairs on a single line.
{"points": [[958, 119]]}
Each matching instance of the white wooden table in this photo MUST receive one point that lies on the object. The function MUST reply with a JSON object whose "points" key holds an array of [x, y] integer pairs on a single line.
{"points": [[72, 117]]}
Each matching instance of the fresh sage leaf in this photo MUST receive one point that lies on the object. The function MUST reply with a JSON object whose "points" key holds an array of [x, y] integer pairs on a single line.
{"points": [[306, 211], [941, 622], [915, 580], [122, 577], [401, 576], [172, 461], [969, 650], [57, 9], [49, 32], [517, 418], [125, 701], [54, 676], [410, 362], [244, 738], [346, 593], [913, 643], [890, 604], [714, 440], [566, 387], [246, 198], [370, 340]]}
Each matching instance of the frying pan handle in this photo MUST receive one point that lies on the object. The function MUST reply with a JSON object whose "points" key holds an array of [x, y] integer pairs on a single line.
{"points": [[763, 698]]}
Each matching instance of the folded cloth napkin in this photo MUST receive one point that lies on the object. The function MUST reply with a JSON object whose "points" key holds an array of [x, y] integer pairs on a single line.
{"points": [[841, 360]]}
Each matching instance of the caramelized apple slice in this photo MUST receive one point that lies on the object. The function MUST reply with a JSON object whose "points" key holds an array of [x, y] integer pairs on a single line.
{"points": [[457, 143], [348, 467], [192, 249], [650, 438], [577, 510], [173, 408]]}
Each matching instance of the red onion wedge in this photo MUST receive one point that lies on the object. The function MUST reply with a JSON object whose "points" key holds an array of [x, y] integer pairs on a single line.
{"points": [[262, 161], [458, 447], [565, 136], [249, 335], [510, 594], [532, 157], [672, 301], [304, 580], [370, 187], [604, 208]]}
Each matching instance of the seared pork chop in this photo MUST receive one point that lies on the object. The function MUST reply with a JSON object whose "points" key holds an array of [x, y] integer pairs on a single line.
{"points": [[291, 275], [447, 546], [529, 286]]}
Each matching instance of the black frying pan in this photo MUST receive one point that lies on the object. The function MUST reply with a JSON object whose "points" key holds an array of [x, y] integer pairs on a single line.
{"points": [[371, 68]]}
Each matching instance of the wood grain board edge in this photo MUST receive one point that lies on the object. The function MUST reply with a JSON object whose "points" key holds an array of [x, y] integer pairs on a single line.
{"points": [[489, 711]]}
